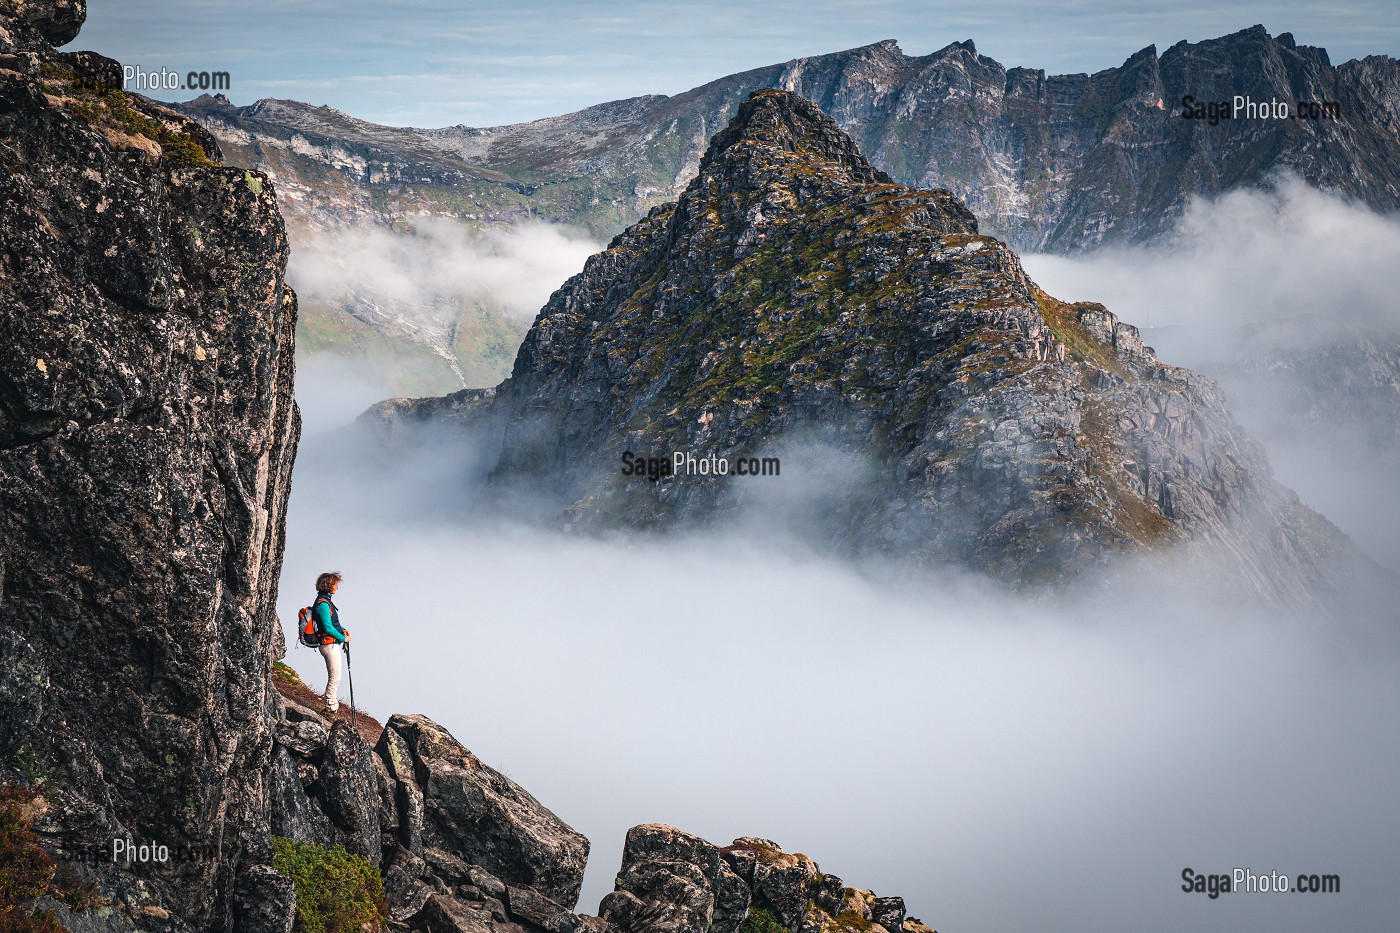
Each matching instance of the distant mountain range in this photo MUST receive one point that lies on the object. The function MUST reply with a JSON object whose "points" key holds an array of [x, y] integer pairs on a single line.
{"points": [[1059, 162]]}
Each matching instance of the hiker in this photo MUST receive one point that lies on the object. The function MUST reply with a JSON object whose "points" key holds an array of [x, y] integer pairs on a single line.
{"points": [[332, 636]]}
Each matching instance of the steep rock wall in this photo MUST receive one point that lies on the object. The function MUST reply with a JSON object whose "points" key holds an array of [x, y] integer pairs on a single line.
{"points": [[147, 433]]}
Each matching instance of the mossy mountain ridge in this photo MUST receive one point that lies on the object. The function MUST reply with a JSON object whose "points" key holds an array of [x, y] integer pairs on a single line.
{"points": [[796, 299]]}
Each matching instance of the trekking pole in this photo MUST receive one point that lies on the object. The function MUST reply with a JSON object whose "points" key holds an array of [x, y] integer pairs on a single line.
{"points": [[350, 676]]}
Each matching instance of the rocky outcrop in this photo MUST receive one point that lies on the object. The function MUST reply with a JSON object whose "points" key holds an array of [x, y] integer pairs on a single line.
{"points": [[795, 300], [673, 882], [463, 848], [459, 845], [449, 800], [37, 24], [147, 431]]}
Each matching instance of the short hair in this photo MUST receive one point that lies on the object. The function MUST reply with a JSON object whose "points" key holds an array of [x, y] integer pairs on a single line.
{"points": [[324, 581]]}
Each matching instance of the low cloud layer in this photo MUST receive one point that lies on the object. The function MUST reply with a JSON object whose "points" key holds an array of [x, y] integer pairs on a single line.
{"points": [[1248, 258], [1287, 297], [439, 261], [1002, 763]]}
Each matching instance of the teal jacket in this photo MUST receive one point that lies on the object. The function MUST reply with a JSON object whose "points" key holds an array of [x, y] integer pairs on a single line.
{"points": [[327, 617]]}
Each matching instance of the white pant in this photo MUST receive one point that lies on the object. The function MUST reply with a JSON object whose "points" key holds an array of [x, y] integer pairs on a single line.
{"points": [[332, 653]]}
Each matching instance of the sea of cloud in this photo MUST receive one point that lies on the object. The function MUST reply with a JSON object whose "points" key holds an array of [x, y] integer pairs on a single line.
{"points": [[1004, 762]]}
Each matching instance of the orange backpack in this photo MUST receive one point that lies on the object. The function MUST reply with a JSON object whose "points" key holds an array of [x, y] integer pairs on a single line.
{"points": [[308, 627]]}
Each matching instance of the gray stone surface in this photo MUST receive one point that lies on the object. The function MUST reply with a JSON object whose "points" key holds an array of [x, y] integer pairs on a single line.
{"points": [[483, 816], [147, 432], [265, 902], [349, 791]]}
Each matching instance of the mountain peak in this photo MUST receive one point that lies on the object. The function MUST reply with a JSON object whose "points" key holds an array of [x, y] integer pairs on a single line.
{"points": [[779, 125], [779, 159], [934, 405]]}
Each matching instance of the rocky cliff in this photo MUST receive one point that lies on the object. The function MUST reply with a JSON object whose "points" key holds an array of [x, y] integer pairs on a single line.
{"points": [[797, 304], [147, 432]]}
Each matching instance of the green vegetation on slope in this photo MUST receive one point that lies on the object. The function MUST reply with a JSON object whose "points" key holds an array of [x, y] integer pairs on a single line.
{"points": [[483, 345], [336, 892]]}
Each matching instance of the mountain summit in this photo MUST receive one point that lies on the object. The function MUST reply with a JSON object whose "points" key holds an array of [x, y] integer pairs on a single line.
{"points": [[787, 123], [924, 399]]}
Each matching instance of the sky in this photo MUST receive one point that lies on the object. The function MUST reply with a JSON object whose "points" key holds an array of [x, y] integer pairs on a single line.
{"points": [[445, 62]]}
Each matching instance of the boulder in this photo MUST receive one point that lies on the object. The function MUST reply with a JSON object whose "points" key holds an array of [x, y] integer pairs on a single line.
{"points": [[533, 907], [888, 912], [479, 814], [304, 739], [349, 791], [780, 881], [265, 902], [404, 887], [294, 814], [442, 914], [675, 882], [394, 753], [829, 893], [58, 21]]}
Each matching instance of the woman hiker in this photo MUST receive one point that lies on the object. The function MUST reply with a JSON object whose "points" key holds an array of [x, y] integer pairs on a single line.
{"points": [[332, 636]]}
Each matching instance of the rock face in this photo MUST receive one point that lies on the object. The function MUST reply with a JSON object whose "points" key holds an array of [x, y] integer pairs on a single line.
{"points": [[1048, 162], [795, 299], [147, 432], [673, 881], [452, 801]]}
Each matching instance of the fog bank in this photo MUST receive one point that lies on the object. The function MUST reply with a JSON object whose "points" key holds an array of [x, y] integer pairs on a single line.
{"points": [[1002, 763], [439, 261], [1287, 297]]}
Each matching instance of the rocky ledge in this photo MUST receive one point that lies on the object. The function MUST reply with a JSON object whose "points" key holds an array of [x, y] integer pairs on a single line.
{"points": [[464, 848]]}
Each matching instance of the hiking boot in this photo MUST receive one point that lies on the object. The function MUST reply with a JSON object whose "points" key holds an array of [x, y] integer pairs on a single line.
{"points": [[328, 713]]}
